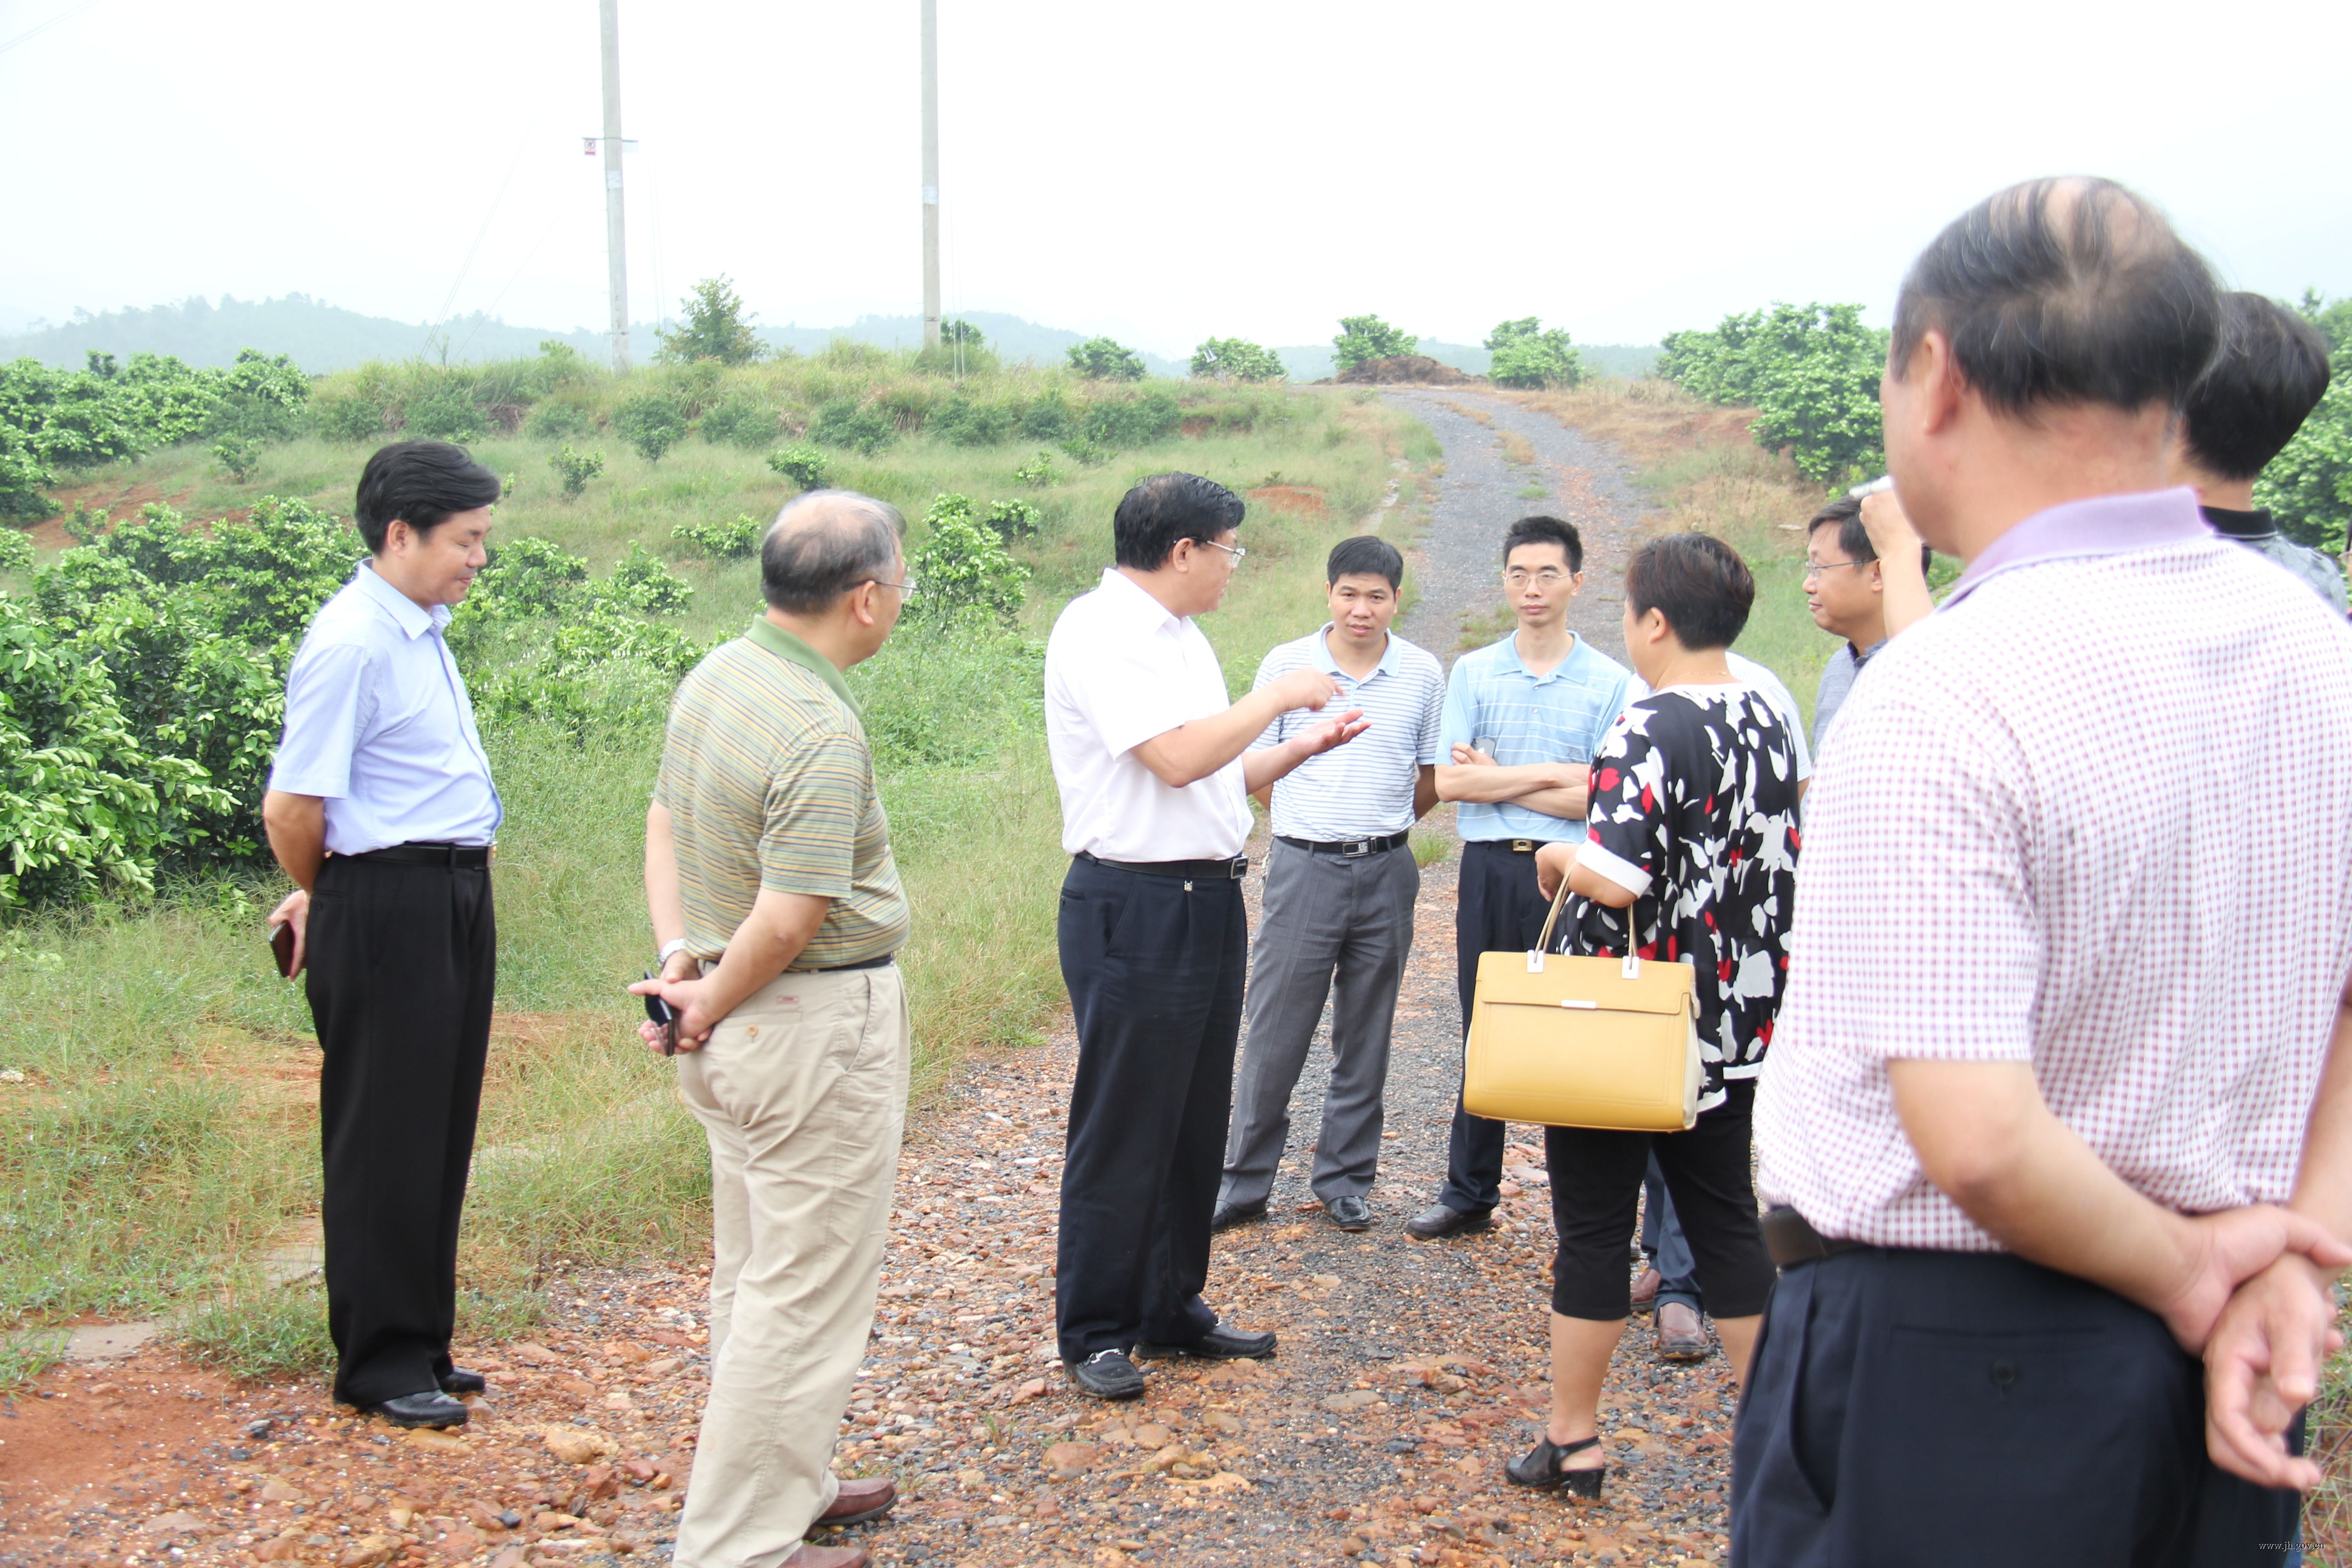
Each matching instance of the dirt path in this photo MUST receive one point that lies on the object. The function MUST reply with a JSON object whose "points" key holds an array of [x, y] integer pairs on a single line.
{"points": [[1409, 1372]]}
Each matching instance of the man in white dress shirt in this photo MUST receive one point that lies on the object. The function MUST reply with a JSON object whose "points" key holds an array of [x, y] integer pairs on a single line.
{"points": [[1154, 765], [382, 810]]}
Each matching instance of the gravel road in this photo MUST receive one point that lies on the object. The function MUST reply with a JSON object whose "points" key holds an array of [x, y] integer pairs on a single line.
{"points": [[1409, 1372]]}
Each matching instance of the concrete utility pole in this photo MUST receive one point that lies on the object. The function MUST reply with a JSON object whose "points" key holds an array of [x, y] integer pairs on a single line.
{"points": [[616, 240], [930, 173]]}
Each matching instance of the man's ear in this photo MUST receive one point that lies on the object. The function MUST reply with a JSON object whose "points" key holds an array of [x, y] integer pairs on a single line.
{"points": [[1942, 388]]}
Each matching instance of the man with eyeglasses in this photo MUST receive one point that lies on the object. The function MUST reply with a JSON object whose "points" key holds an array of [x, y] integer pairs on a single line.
{"points": [[1522, 718], [777, 908], [1155, 767], [1846, 588]]}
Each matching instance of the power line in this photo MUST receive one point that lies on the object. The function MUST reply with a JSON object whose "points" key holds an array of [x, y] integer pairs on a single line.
{"points": [[449, 303], [30, 34]]}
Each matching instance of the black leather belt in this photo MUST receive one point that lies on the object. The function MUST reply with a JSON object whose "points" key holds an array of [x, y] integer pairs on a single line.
{"points": [[1199, 870], [885, 961], [1508, 846], [456, 856], [1790, 1239], [1349, 848]]}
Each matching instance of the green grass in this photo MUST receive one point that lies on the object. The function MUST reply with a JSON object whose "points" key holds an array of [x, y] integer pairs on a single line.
{"points": [[167, 1129]]}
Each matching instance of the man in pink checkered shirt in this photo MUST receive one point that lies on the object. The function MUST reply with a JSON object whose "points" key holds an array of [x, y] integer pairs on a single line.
{"points": [[2060, 1098]]}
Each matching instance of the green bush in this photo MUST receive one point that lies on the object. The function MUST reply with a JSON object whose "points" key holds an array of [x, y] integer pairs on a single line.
{"points": [[802, 464], [2308, 486], [1812, 373], [447, 414], [841, 422], [347, 418], [740, 420], [238, 456], [957, 333], [1123, 423], [962, 571], [716, 327], [643, 584], [1038, 471], [15, 549], [58, 420], [1237, 359], [575, 470], [1362, 338], [1012, 519], [557, 420], [1048, 418], [1101, 359], [1525, 355], [967, 423], [652, 423], [733, 541]]}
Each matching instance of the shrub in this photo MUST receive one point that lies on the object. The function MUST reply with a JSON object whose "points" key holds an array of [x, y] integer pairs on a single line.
{"points": [[802, 464], [1010, 520], [556, 420], [1810, 371], [963, 571], [967, 423], [652, 423], [447, 414], [1237, 359], [2308, 486], [1038, 471], [238, 456], [740, 420], [1048, 418], [1101, 359], [1525, 355], [1362, 338], [843, 423], [1085, 452], [15, 549], [642, 583], [347, 419], [722, 541], [575, 470], [716, 327], [957, 333], [1122, 423]]}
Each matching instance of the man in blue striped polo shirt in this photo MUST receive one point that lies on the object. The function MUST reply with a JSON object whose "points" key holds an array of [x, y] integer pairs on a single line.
{"points": [[1522, 720], [1339, 887]]}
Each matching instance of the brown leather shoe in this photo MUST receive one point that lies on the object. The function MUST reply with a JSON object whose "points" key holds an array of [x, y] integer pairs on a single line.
{"points": [[1682, 1333], [830, 1557], [1645, 1290], [860, 1500]]}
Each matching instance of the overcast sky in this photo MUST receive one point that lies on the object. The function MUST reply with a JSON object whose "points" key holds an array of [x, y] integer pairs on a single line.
{"points": [[1161, 173]]}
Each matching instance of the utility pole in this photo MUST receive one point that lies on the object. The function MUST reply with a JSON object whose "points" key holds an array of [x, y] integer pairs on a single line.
{"points": [[930, 172], [616, 241]]}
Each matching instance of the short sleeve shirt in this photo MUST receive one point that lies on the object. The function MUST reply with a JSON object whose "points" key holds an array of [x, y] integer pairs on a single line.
{"points": [[769, 783], [1365, 788], [1121, 669], [1694, 810], [1521, 719], [1844, 668]]}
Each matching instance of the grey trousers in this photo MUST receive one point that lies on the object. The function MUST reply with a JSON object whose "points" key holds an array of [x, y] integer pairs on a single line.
{"points": [[1331, 927]]}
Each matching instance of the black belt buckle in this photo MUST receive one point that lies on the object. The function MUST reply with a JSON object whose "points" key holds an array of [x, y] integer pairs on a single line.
{"points": [[1237, 868], [1523, 846], [1792, 1239]]}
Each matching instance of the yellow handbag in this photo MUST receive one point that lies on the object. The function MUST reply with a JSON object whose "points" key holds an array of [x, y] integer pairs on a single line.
{"points": [[1583, 1042]]}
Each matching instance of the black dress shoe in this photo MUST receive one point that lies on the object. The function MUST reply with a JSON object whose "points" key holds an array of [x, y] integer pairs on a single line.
{"points": [[1108, 1374], [1228, 1215], [1217, 1344], [1438, 1220], [457, 1380], [1350, 1212], [430, 1408]]}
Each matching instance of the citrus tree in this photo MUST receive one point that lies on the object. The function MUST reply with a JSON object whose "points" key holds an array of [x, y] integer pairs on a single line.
{"points": [[715, 326], [1237, 359], [1525, 355], [1362, 338]]}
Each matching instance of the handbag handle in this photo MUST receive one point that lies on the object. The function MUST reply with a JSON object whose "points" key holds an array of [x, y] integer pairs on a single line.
{"points": [[1633, 965], [1559, 898]]}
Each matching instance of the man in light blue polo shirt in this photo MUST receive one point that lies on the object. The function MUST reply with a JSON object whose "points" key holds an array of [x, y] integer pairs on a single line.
{"points": [[1340, 882], [1522, 720]]}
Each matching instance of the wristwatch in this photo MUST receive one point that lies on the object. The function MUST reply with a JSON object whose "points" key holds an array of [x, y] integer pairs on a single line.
{"points": [[670, 950]]}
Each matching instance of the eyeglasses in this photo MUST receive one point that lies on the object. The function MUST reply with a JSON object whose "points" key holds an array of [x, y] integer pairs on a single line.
{"points": [[1235, 551], [1815, 568], [1520, 576], [905, 587]]}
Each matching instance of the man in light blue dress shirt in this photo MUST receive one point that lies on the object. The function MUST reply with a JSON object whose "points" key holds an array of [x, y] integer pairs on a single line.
{"points": [[382, 810]]}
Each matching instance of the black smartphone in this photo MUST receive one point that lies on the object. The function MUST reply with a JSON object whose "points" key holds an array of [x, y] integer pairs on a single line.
{"points": [[663, 1014], [281, 948]]}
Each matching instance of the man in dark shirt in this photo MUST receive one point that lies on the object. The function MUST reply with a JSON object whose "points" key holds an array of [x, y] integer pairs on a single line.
{"points": [[2271, 370], [1846, 588]]}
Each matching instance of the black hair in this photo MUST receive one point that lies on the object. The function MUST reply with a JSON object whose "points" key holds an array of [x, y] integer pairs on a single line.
{"points": [[1852, 537], [2270, 373], [1697, 582], [422, 483], [822, 544], [2072, 291], [1542, 530], [1367, 554], [1166, 508]]}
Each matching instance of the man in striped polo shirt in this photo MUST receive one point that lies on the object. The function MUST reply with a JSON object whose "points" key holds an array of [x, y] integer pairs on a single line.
{"points": [[778, 908], [1339, 888], [1522, 720]]}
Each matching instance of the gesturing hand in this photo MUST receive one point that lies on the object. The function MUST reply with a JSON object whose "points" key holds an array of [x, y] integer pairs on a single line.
{"points": [[1305, 689], [2229, 1248], [1332, 732], [2261, 1366]]}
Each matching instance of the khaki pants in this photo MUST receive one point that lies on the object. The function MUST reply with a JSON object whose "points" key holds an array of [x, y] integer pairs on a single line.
{"points": [[803, 1091]]}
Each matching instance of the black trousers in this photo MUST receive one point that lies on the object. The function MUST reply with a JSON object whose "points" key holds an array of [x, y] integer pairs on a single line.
{"points": [[1496, 910], [1946, 1410], [403, 960], [1154, 967], [1597, 1176]]}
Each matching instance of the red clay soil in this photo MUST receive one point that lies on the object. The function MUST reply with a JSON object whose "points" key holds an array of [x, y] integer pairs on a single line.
{"points": [[1291, 501], [112, 497], [1405, 370]]}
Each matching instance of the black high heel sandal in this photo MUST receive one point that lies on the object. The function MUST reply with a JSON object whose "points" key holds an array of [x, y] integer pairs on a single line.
{"points": [[1541, 1466]]}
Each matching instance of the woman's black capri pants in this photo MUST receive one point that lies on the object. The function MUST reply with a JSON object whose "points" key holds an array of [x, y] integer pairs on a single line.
{"points": [[1596, 1186]]}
